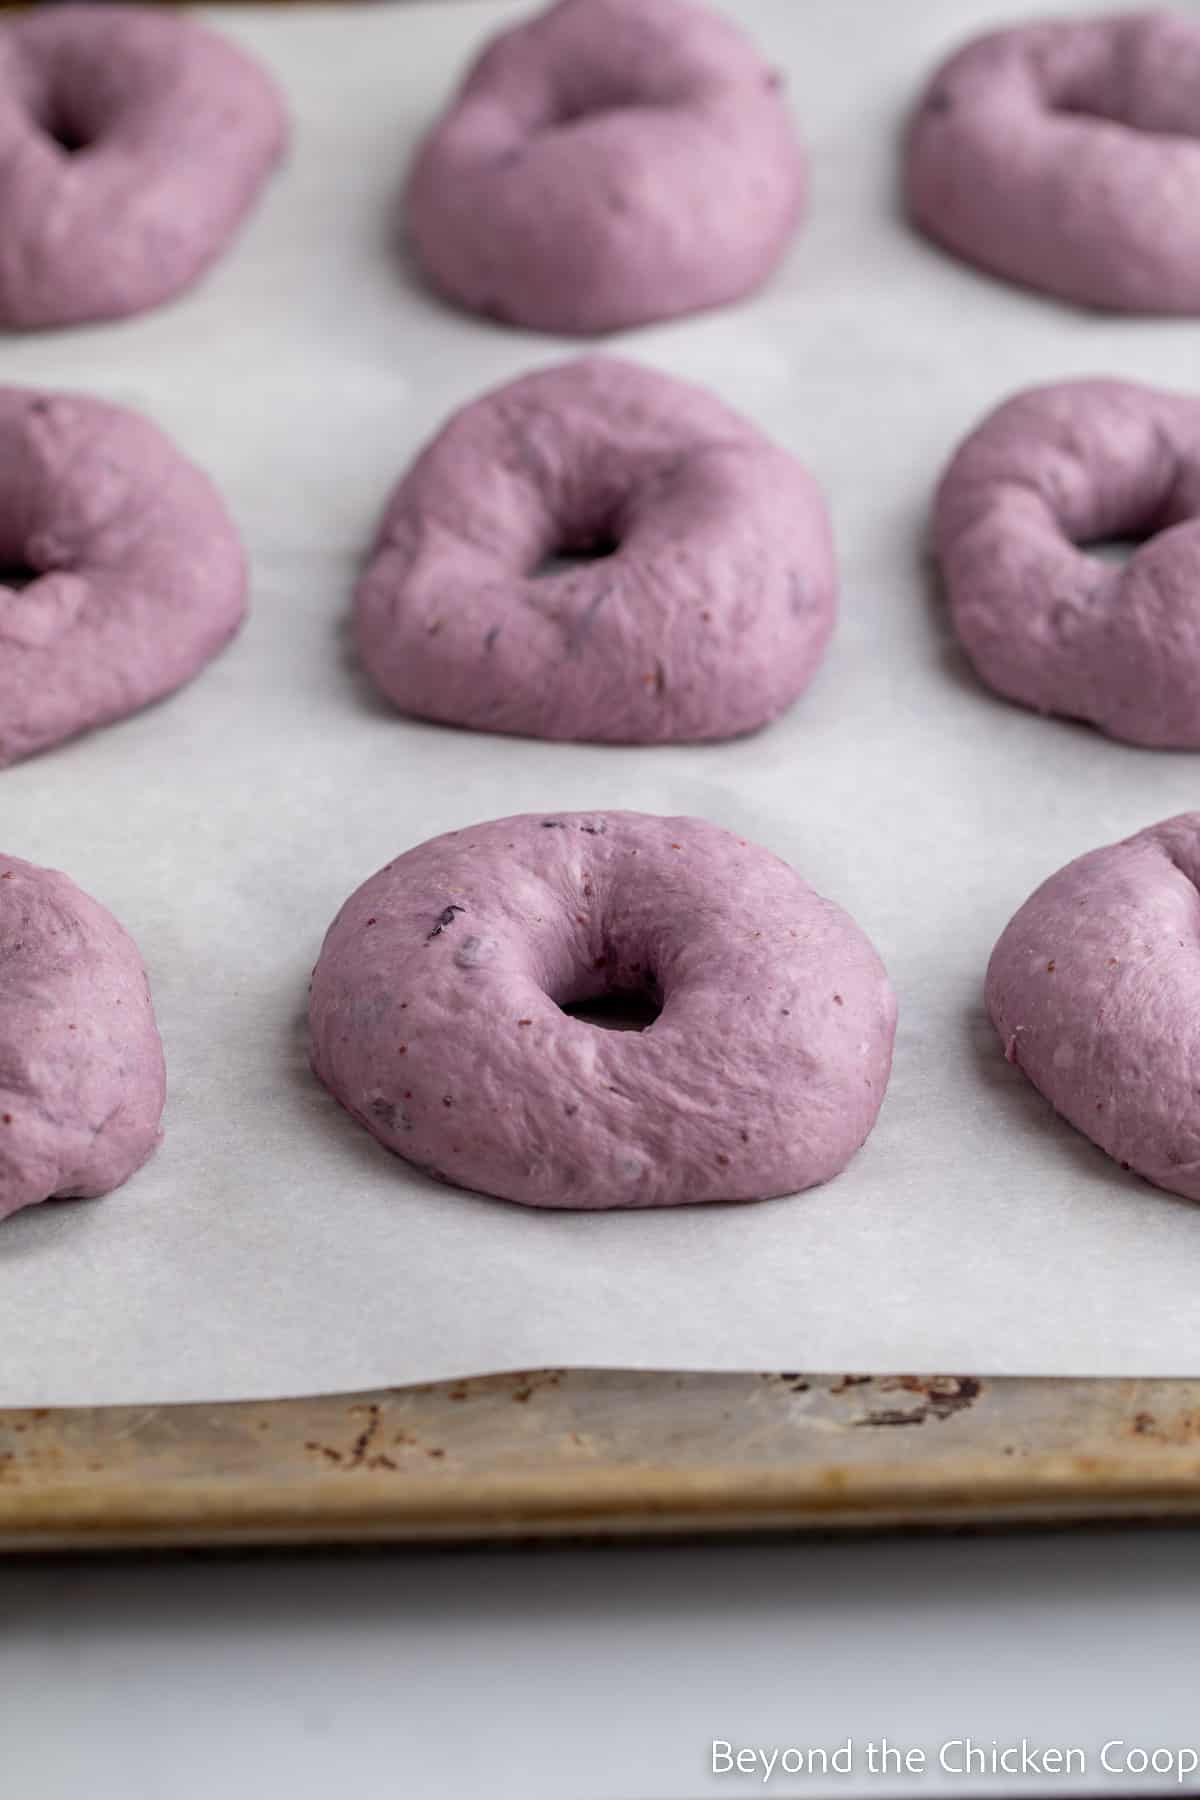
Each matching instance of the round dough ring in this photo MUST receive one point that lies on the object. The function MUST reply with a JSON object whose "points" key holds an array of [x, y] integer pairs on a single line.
{"points": [[1094, 988], [132, 142], [141, 578], [1067, 156], [704, 615], [1043, 621], [436, 1014], [82, 1082], [608, 163]]}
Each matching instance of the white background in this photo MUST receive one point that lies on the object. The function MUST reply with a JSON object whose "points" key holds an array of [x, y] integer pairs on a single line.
{"points": [[585, 1675]]}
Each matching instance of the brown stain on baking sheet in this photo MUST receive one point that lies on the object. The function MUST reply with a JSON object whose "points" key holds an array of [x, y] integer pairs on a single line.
{"points": [[365, 1438], [937, 1397], [792, 1380], [361, 1453], [373, 1429], [1182, 1428], [520, 1385]]}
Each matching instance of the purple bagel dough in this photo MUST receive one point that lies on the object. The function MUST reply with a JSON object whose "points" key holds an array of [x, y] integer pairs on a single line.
{"points": [[176, 130], [606, 163], [141, 577], [1044, 622], [436, 1019], [1067, 156], [707, 619], [82, 1082], [1094, 988]]}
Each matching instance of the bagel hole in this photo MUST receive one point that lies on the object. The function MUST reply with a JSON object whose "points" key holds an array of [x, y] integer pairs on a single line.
{"points": [[66, 132], [624, 1009], [572, 109], [18, 576], [1083, 106], [1129, 529], [1115, 550], [1073, 107], [565, 557]]}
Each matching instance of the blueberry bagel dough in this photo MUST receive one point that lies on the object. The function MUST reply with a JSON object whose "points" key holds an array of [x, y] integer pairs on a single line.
{"points": [[132, 142], [1044, 622], [82, 1082], [139, 574], [1094, 988], [436, 1014], [607, 163], [705, 606], [1066, 155]]}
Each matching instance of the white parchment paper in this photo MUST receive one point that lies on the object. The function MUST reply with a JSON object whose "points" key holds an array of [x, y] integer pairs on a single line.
{"points": [[272, 1247]]}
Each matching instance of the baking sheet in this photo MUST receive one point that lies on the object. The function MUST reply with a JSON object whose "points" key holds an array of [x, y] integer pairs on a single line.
{"points": [[272, 1247]]}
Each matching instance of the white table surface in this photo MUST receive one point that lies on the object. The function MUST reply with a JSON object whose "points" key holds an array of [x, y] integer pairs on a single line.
{"points": [[585, 1675]]}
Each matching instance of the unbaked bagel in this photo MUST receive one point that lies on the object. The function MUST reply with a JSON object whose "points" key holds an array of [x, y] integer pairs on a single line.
{"points": [[137, 574], [606, 163], [1066, 156], [436, 1014], [1044, 620], [82, 1082], [702, 609], [132, 142], [1094, 988]]}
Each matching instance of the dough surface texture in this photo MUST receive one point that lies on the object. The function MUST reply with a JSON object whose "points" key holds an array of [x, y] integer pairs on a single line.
{"points": [[139, 575], [82, 1082], [132, 143], [1094, 988], [1066, 156], [1045, 622], [704, 607], [607, 163], [437, 1019]]}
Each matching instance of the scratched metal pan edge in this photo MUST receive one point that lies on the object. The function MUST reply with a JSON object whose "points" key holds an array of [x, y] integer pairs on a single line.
{"points": [[600, 1454]]}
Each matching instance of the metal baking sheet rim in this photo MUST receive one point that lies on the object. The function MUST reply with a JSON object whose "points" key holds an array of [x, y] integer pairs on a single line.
{"points": [[600, 1455]]}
